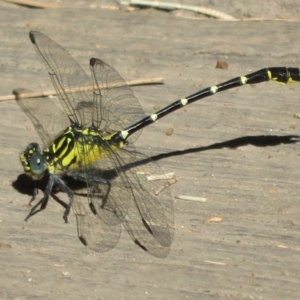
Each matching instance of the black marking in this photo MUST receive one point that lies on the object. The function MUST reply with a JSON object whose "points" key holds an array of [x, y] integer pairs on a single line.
{"points": [[147, 226], [66, 146], [93, 209], [293, 73], [82, 240], [73, 160], [96, 61], [93, 62], [140, 245], [31, 36]]}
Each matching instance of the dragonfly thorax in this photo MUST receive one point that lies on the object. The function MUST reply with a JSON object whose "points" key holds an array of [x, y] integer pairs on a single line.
{"points": [[75, 148]]}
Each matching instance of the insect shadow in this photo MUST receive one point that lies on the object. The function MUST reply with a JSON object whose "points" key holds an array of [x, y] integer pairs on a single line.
{"points": [[26, 185]]}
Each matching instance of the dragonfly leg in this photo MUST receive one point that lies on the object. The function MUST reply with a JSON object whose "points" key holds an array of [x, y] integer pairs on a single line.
{"points": [[96, 191], [108, 184], [42, 204], [65, 189], [35, 192]]}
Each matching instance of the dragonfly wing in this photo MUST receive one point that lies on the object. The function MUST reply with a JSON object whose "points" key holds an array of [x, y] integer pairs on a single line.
{"points": [[146, 213], [48, 119], [104, 197], [115, 106], [92, 230], [72, 84], [150, 215]]}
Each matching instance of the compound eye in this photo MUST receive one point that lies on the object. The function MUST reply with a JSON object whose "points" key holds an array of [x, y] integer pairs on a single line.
{"points": [[37, 163]]}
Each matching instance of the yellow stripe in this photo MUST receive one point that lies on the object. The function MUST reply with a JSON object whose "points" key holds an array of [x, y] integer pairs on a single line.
{"points": [[83, 154]]}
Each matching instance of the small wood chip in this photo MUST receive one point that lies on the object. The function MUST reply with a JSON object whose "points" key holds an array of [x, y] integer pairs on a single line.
{"points": [[169, 131], [190, 198], [161, 176], [215, 263], [222, 65], [213, 220], [282, 246], [141, 173]]}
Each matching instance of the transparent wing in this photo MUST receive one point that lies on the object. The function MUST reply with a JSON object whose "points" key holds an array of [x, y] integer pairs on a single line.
{"points": [[150, 215], [72, 84], [99, 176], [115, 106], [147, 215], [110, 107], [48, 119], [92, 230]]}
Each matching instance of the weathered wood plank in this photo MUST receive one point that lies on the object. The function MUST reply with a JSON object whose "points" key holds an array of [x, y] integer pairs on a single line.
{"points": [[254, 189]]}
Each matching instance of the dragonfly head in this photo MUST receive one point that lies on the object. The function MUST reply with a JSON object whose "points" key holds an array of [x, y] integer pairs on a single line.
{"points": [[33, 161]]}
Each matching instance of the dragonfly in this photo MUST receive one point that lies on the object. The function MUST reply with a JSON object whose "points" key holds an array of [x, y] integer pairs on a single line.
{"points": [[89, 135]]}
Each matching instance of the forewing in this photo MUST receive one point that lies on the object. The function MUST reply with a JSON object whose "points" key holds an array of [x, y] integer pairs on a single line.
{"points": [[48, 119], [72, 84], [115, 106]]}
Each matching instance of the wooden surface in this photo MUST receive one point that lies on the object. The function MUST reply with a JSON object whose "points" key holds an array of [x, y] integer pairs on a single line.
{"points": [[236, 152]]}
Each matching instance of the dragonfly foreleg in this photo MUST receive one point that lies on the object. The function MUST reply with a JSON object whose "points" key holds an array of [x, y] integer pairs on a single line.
{"points": [[42, 204]]}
